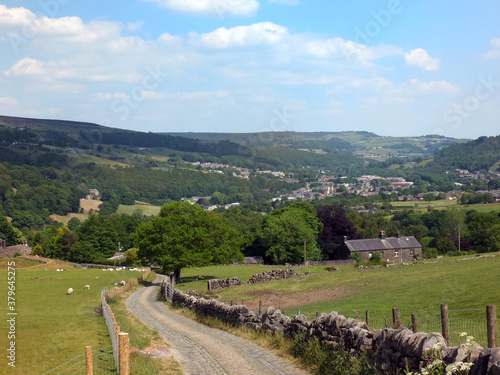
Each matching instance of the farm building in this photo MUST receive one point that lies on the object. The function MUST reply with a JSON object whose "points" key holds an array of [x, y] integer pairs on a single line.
{"points": [[10, 251], [393, 249]]}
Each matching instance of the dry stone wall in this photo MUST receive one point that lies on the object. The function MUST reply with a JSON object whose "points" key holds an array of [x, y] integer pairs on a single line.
{"points": [[272, 275], [391, 350]]}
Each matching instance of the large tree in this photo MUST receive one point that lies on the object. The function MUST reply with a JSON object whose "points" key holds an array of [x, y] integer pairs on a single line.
{"points": [[285, 232], [336, 225], [183, 235]]}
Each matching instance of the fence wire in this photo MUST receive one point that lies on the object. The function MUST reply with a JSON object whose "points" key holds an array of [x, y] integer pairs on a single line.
{"points": [[476, 327], [103, 364], [113, 333]]}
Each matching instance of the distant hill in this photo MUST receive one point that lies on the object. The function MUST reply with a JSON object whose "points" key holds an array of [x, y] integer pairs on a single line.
{"points": [[361, 143], [480, 154]]}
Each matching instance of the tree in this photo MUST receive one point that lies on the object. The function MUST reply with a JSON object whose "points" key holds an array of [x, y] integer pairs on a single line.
{"points": [[38, 250], [82, 252], [10, 234], [453, 224], [183, 235], [445, 245], [336, 225], [286, 230]]}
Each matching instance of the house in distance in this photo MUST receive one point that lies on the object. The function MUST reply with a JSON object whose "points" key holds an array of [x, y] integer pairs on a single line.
{"points": [[393, 249]]}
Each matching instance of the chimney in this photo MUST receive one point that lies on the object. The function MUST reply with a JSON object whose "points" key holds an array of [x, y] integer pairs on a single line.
{"points": [[345, 239], [397, 234], [382, 235], [3, 243]]}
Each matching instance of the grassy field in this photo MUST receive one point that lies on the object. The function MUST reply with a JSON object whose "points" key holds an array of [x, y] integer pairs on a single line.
{"points": [[51, 327], [145, 209], [466, 286], [444, 204]]}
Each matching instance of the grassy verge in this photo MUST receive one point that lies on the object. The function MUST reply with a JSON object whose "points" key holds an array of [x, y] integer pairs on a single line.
{"points": [[149, 354]]}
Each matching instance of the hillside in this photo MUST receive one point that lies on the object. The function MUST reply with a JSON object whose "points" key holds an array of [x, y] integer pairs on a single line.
{"points": [[480, 154], [363, 144]]}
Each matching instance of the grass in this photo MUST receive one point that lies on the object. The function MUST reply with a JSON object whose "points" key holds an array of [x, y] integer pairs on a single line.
{"points": [[420, 289], [51, 327], [147, 210], [444, 204]]}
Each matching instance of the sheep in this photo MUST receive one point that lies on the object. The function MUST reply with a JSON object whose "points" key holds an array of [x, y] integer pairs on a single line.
{"points": [[86, 287], [123, 283], [69, 292]]}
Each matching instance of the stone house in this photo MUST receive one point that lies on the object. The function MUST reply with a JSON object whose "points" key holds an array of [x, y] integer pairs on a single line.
{"points": [[393, 249], [10, 251]]}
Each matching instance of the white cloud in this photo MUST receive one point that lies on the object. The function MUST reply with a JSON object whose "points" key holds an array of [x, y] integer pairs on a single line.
{"points": [[8, 102], [211, 7], [419, 58], [434, 86], [495, 52], [104, 97], [26, 67], [151, 95], [200, 95], [265, 33], [15, 17]]}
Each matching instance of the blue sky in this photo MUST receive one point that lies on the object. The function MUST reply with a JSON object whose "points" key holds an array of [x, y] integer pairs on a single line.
{"points": [[393, 67]]}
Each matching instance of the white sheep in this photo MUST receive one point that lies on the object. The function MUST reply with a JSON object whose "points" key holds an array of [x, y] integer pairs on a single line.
{"points": [[86, 287], [123, 283], [69, 292]]}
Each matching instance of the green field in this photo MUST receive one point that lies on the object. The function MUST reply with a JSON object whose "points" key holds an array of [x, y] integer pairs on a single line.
{"points": [[444, 204], [51, 327], [144, 209], [466, 286]]}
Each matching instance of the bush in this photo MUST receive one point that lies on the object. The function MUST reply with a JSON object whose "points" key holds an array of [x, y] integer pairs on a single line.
{"points": [[430, 252]]}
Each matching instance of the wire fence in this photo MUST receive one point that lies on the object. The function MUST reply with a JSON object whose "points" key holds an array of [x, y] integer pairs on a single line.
{"points": [[102, 359], [113, 328], [475, 324]]}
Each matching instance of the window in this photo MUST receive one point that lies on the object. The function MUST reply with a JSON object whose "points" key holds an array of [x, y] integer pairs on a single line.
{"points": [[412, 252], [396, 253], [370, 255]]}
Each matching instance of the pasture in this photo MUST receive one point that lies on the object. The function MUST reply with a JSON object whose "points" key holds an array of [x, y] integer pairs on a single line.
{"points": [[143, 209], [467, 286], [52, 327]]}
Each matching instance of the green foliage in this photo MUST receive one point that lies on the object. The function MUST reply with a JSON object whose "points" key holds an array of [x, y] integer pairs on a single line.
{"points": [[100, 232], [132, 256], [285, 231], [445, 245], [82, 252], [183, 235], [73, 223], [38, 250], [9, 233], [329, 362]]}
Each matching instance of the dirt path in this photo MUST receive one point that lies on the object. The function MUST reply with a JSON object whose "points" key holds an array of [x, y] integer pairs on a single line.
{"points": [[203, 350]]}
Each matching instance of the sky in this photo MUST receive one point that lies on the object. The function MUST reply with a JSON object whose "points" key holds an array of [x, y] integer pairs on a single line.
{"points": [[391, 67]]}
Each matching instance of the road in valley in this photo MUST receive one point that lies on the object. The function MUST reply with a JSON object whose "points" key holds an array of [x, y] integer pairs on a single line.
{"points": [[202, 350]]}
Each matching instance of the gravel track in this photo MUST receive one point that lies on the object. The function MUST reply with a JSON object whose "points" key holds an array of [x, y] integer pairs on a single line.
{"points": [[202, 350]]}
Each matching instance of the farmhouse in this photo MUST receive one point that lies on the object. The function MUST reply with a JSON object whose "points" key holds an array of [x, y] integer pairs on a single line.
{"points": [[393, 249], [10, 251]]}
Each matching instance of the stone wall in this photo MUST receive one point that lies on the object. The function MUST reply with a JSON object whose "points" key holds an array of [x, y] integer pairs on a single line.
{"points": [[272, 275], [391, 350]]}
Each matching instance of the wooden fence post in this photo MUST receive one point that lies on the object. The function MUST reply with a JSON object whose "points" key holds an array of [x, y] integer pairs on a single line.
{"points": [[124, 354], [368, 318], [88, 360], [396, 317], [414, 323], [445, 323], [491, 318], [260, 308]]}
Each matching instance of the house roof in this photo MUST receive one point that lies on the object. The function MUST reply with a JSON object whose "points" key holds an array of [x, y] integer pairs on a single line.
{"points": [[375, 244]]}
